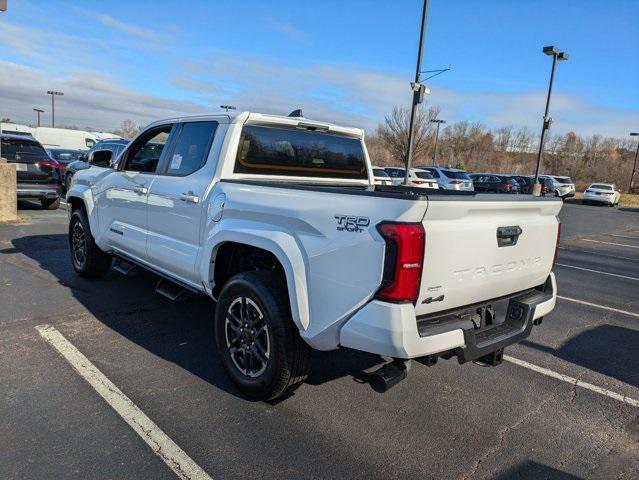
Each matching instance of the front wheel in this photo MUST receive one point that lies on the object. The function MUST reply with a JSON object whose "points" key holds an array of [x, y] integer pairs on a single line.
{"points": [[87, 258], [260, 346]]}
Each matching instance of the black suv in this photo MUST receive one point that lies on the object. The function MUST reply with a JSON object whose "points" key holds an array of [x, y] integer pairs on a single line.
{"points": [[115, 145], [38, 175]]}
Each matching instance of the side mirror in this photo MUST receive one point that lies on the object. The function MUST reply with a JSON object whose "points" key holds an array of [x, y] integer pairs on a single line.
{"points": [[101, 158]]}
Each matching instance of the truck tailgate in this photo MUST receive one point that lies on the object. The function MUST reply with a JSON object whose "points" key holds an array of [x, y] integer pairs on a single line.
{"points": [[473, 252]]}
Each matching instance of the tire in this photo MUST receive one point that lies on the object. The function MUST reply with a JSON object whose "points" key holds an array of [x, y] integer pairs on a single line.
{"points": [[50, 204], [285, 357], [87, 259], [584, 202]]}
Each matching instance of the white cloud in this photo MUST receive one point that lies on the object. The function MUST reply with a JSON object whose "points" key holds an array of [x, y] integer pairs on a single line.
{"points": [[129, 28], [287, 29], [331, 92], [90, 99], [362, 97]]}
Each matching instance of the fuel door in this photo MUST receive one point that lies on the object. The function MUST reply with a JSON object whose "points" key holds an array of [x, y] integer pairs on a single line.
{"points": [[217, 208]]}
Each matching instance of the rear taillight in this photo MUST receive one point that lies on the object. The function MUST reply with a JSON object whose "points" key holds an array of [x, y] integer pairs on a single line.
{"points": [[419, 182], [506, 186], [403, 262], [554, 260], [455, 182], [48, 163]]}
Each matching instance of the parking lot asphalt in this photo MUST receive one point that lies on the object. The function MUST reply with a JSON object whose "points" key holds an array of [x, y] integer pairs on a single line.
{"points": [[523, 419]]}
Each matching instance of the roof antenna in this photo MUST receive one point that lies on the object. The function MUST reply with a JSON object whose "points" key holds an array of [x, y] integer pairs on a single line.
{"points": [[228, 107], [296, 113]]}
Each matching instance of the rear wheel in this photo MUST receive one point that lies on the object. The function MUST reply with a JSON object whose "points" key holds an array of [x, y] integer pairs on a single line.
{"points": [[260, 347], [87, 258], [49, 204]]}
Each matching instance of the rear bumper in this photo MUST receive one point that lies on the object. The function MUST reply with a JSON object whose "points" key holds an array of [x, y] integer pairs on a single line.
{"points": [[393, 330], [37, 192], [605, 199]]}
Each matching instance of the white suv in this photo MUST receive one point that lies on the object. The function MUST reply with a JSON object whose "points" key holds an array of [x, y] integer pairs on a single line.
{"points": [[451, 178]]}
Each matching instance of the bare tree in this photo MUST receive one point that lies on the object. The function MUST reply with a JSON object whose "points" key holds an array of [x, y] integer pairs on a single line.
{"points": [[127, 129], [393, 133], [509, 149]]}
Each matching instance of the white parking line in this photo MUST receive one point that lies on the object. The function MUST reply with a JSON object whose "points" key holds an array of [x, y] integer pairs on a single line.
{"points": [[574, 381], [597, 271], [177, 460], [610, 243], [623, 236], [603, 307]]}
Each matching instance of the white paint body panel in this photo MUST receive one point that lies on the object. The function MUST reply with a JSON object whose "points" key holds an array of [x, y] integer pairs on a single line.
{"points": [[332, 276]]}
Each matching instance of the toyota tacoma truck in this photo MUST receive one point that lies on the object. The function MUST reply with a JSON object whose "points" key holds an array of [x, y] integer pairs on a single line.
{"points": [[279, 221]]}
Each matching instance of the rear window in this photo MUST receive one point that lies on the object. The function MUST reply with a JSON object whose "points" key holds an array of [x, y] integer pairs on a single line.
{"points": [[380, 172], [300, 153], [65, 156], [22, 150], [456, 175], [423, 175], [563, 180], [601, 187]]}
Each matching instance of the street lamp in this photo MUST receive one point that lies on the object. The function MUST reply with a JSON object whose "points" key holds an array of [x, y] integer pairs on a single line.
{"points": [[438, 122], [53, 94], [556, 55], [634, 166], [39, 111], [419, 90]]}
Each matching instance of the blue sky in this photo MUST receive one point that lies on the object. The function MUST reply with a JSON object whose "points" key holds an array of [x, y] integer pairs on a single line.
{"points": [[346, 61]]}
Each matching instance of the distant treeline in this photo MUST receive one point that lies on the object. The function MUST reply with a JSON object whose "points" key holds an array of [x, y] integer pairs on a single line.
{"points": [[477, 148]]}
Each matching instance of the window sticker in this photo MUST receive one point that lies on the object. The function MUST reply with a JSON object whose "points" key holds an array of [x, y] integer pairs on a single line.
{"points": [[176, 161]]}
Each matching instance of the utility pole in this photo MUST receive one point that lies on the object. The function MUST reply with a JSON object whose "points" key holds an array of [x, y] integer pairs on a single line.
{"points": [[53, 94], [438, 122], [39, 111], [634, 166], [556, 55], [418, 91]]}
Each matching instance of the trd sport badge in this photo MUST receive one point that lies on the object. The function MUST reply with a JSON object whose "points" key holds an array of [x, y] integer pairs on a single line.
{"points": [[350, 223]]}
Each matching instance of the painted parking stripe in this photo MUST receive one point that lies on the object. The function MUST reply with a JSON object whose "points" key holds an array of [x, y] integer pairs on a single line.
{"points": [[176, 459], [603, 307], [598, 271], [596, 253], [623, 236], [610, 243], [574, 381]]}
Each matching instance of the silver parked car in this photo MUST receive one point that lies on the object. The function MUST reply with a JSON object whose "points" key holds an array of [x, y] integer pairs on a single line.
{"points": [[451, 178]]}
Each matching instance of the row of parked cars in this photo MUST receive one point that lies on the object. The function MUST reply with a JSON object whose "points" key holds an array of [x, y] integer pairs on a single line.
{"points": [[44, 174], [455, 179]]}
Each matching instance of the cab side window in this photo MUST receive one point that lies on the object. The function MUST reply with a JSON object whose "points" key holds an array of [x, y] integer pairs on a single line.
{"points": [[144, 155], [191, 148]]}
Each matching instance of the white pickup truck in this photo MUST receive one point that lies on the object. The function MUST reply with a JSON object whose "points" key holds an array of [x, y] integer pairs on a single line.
{"points": [[278, 219]]}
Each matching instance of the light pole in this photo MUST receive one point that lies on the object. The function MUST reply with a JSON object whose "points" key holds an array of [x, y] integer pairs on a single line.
{"points": [[53, 93], [39, 111], [438, 122], [418, 91], [634, 166], [556, 55]]}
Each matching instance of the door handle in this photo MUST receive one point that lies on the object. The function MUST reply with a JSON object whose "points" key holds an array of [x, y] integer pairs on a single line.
{"points": [[508, 236], [141, 190], [189, 197]]}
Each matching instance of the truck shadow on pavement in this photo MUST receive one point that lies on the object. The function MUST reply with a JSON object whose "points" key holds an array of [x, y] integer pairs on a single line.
{"points": [[181, 332], [592, 349], [532, 470]]}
